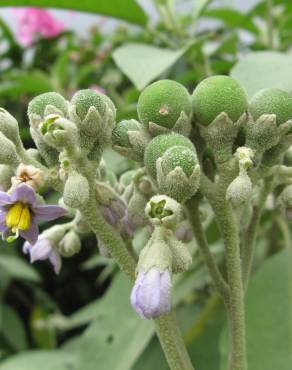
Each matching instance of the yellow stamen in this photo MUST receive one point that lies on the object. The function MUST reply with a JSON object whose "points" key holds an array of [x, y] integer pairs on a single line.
{"points": [[18, 217]]}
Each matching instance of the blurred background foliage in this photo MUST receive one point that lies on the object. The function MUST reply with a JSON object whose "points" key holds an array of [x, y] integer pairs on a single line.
{"points": [[82, 319]]}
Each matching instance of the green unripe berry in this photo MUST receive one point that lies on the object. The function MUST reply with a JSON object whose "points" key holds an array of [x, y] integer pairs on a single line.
{"points": [[218, 94], [272, 101], [84, 99], [158, 146], [38, 104], [162, 103], [179, 156], [120, 132]]}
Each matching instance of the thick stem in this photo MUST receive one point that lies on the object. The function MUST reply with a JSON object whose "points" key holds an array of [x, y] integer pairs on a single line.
{"points": [[172, 342], [236, 312], [247, 250], [217, 278]]}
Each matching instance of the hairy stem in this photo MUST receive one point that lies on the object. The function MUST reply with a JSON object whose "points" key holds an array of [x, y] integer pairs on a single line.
{"points": [[236, 312], [172, 342], [248, 244], [217, 278]]}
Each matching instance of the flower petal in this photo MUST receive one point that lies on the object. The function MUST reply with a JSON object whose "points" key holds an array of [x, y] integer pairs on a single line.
{"points": [[5, 199], [148, 296], [25, 194], [3, 226], [48, 212], [40, 251], [56, 261], [31, 235]]}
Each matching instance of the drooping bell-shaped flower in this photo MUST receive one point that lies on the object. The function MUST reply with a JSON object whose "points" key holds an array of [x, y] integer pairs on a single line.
{"points": [[151, 294]]}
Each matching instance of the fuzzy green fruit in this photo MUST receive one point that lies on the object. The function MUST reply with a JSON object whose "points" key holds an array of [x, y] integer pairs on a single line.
{"points": [[120, 135], [218, 94], [158, 146], [84, 99], [38, 104], [179, 156], [272, 101], [162, 103]]}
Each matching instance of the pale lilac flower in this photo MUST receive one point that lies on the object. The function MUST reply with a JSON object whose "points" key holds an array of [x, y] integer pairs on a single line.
{"points": [[43, 250], [20, 211], [36, 22], [151, 294]]}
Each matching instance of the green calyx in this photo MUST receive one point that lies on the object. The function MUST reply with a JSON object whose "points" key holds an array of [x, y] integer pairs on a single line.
{"points": [[49, 124], [39, 103], [84, 99], [218, 94], [163, 102], [272, 101], [158, 146]]}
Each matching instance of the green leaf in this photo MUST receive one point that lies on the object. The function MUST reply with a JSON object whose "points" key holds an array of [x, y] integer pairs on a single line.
{"points": [[19, 82], [232, 18], [11, 328], [36, 360], [143, 63], [268, 317], [16, 268], [128, 10], [264, 69], [118, 336]]}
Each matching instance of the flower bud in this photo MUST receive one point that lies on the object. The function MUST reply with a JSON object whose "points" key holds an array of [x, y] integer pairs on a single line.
{"points": [[136, 210], [178, 173], [70, 244], [94, 114], [239, 190], [30, 175], [9, 127], [181, 257], [76, 190], [6, 173], [164, 211], [130, 139], [47, 103], [8, 154]]}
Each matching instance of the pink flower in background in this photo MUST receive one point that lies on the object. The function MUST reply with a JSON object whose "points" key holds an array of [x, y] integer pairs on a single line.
{"points": [[35, 22], [97, 88]]}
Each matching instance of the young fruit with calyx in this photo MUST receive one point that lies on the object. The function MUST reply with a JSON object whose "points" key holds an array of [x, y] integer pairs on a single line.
{"points": [[165, 106], [157, 147], [218, 94], [220, 105]]}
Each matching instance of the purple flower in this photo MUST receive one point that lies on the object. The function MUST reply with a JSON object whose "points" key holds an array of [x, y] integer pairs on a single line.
{"points": [[43, 250], [151, 294], [20, 211]]}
